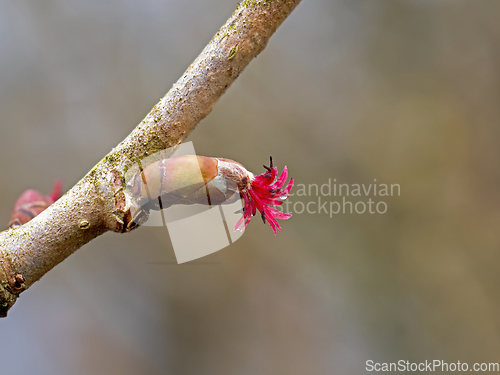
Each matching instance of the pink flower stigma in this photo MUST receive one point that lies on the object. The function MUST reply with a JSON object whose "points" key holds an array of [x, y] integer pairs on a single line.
{"points": [[264, 192]]}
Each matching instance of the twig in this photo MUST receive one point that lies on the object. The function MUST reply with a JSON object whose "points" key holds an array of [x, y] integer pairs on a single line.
{"points": [[99, 202]]}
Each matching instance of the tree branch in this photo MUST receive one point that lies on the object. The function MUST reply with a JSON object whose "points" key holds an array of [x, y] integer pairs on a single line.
{"points": [[99, 202]]}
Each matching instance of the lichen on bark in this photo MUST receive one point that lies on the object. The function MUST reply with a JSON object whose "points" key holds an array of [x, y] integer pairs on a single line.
{"points": [[99, 203]]}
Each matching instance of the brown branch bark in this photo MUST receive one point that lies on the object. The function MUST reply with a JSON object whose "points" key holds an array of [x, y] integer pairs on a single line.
{"points": [[99, 203]]}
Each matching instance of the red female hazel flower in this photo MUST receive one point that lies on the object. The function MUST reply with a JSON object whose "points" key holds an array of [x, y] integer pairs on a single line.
{"points": [[177, 181], [263, 193]]}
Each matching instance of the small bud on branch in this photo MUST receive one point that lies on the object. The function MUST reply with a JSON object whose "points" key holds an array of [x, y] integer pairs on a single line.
{"points": [[98, 203], [191, 179], [31, 203]]}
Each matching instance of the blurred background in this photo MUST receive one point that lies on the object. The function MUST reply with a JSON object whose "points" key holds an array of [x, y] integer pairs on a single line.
{"points": [[405, 92]]}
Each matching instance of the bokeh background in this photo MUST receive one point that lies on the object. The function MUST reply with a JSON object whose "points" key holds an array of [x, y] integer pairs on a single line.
{"points": [[405, 92]]}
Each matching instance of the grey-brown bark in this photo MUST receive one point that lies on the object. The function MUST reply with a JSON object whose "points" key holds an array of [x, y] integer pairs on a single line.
{"points": [[99, 203]]}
